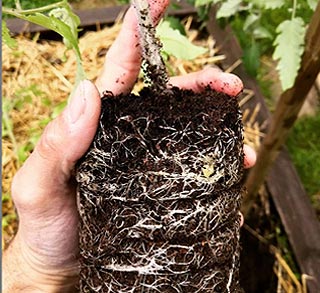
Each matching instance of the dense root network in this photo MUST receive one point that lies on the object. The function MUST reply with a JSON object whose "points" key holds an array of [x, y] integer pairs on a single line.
{"points": [[159, 195]]}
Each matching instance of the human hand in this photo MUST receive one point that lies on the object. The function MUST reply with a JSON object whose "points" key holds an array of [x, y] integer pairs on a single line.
{"points": [[43, 256]]}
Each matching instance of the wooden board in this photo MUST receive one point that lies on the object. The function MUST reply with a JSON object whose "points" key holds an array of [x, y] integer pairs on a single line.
{"points": [[93, 17], [291, 201]]}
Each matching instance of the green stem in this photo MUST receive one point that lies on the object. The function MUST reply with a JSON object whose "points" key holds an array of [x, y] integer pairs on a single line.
{"points": [[150, 45], [18, 5], [80, 74], [294, 9], [16, 12], [6, 121]]}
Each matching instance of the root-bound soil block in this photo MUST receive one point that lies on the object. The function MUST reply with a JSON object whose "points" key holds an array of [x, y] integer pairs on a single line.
{"points": [[159, 193]]}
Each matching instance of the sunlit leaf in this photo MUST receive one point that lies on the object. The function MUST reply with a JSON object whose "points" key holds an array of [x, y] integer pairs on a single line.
{"points": [[229, 8], [289, 48], [10, 42], [176, 44], [198, 3], [273, 4], [69, 18], [312, 4], [261, 33], [269, 4], [251, 19], [55, 24]]}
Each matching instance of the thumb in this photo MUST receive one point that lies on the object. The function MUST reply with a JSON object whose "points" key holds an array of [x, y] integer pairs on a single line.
{"points": [[47, 172], [69, 136]]}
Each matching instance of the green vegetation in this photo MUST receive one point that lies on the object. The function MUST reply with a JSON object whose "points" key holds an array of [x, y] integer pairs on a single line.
{"points": [[22, 98], [266, 27], [304, 148], [26, 4], [57, 17]]}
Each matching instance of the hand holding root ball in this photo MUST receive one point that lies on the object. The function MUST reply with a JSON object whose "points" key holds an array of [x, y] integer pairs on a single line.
{"points": [[43, 257]]}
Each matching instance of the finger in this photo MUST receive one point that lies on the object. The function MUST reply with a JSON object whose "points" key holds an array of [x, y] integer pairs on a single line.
{"points": [[46, 173], [241, 219], [250, 156], [227, 83], [122, 63]]}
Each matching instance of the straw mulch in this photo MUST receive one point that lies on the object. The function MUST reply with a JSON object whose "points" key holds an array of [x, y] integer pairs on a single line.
{"points": [[38, 77]]}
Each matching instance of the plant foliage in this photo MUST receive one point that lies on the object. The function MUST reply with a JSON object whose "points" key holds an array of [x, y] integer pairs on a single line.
{"points": [[275, 26], [289, 46], [57, 17], [176, 44], [11, 43]]}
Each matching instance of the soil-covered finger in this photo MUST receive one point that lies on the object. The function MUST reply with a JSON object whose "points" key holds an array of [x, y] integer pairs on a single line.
{"points": [[217, 80]]}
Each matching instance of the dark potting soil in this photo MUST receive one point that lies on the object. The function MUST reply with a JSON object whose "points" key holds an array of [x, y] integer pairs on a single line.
{"points": [[159, 194]]}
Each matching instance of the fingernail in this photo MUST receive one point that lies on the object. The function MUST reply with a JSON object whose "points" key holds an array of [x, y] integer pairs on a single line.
{"points": [[77, 103]]}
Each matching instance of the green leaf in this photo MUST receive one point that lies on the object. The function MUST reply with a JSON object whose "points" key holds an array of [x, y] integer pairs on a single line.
{"points": [[176, 24], [289, 49], [60, 19], [261, 33], [198, 3], [176, 44], [10, 42], [55, 24], [58, 109], [69, 18], [251, 19], [269, 4], [273, 4], [229, 8], [7, 219], [5, 197], [251, 58], [312, 4]]}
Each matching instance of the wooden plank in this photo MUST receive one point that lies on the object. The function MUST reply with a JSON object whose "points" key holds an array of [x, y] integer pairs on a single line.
{"points": [[293, 206], [92, 17], [292, 203]]}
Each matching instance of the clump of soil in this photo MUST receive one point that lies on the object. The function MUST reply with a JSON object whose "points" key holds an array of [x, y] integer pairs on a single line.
{"points": [[159, 194]]}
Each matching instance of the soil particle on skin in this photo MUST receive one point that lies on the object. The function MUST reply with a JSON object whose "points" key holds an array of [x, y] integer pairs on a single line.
{"points": [[159, 194]]}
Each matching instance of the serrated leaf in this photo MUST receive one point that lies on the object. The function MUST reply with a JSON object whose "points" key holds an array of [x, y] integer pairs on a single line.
{"points": [[289, 46], [10, 42], [273, 4], [228, 8], [176, 44], [312, 4], [198, 3]]}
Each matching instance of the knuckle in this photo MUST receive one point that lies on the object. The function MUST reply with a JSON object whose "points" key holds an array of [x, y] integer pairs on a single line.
{"points": [[49, 143]]}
